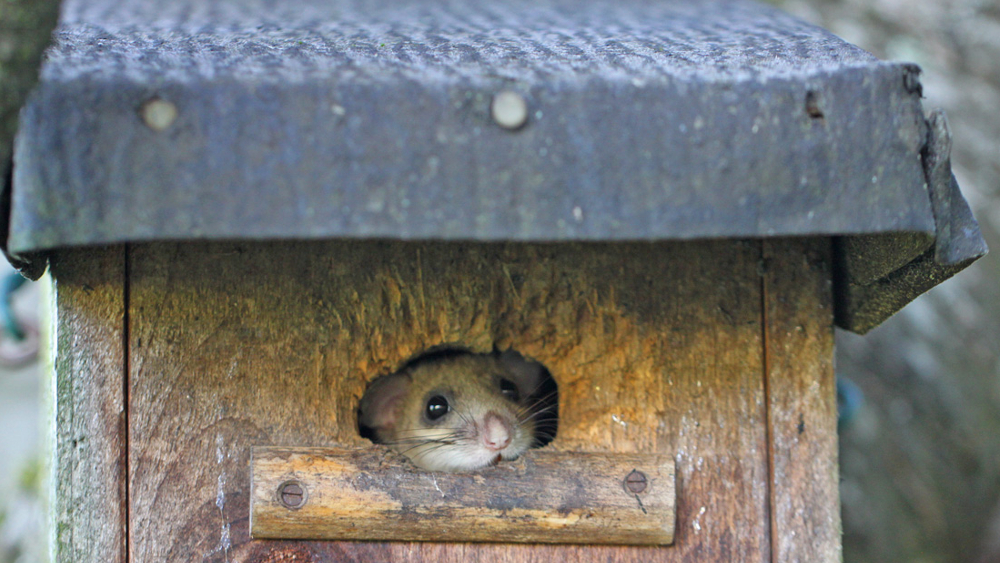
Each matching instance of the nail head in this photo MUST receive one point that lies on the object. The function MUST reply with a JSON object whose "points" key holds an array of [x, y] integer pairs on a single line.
{"points": [[509, 109], [158, 114]]}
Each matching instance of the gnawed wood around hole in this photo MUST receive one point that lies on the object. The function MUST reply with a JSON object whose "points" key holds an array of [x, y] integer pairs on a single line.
{"points": [[544, 497]]}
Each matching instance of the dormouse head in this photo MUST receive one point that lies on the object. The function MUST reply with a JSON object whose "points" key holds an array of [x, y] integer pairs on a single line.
{"points": [[457, 411]]}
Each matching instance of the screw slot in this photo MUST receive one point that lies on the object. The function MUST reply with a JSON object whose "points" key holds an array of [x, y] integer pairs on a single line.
{"points": [[636, 482], [292, 495]]}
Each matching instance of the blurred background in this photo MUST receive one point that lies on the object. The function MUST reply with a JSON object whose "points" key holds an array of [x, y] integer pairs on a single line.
{"points": [[920, 460], [920, 457], [22, 414]]}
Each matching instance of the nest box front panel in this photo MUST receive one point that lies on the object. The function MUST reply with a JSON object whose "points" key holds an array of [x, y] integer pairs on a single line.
{"points": [[656, 348]]}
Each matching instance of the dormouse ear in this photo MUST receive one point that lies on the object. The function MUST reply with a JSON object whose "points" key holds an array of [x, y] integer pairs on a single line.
{"points": [[380, 403], [526, 374]]}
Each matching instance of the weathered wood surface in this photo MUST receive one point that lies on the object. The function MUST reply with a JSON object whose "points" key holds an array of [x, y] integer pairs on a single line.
{"points": [[657, 348], [91, 438], [802, 402], [543, 497]]}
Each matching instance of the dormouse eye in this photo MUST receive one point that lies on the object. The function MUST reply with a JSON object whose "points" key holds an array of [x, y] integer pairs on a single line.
{"points": [[437, 406], [509, 390]]}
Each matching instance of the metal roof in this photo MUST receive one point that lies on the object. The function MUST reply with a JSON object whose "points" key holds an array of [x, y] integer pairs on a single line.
{"points": [[646, 120]]}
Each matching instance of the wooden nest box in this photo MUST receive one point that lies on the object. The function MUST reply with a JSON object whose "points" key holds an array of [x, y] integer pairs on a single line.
{"points": [[250, 210]]}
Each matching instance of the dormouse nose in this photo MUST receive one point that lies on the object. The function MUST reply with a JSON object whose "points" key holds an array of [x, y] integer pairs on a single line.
{"points": [[496, 431]]}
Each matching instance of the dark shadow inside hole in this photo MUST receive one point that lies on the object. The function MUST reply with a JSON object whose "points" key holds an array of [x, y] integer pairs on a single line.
{"points": [[514, 378], [547, 397]]}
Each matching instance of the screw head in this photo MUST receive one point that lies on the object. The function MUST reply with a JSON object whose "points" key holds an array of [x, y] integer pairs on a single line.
{"points": [[292, 495], [635, 482], [509, 109]]}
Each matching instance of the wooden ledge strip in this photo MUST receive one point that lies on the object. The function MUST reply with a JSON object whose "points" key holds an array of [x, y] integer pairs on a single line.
{"points": [[544, 497]]}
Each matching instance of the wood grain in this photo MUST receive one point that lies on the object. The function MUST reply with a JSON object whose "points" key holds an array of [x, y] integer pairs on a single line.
{"points": [[543, 497], [657, 348], [89, 463], [802, 402]]}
